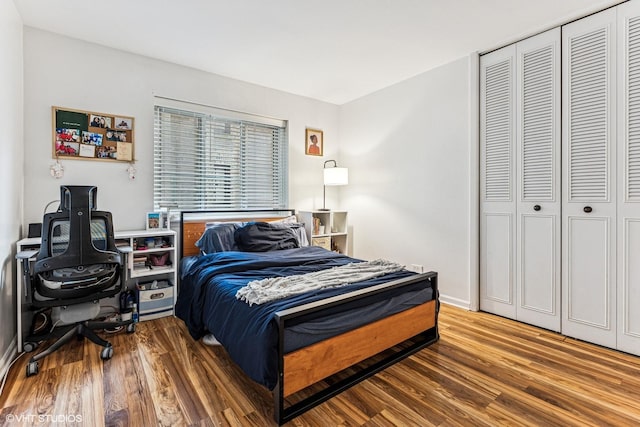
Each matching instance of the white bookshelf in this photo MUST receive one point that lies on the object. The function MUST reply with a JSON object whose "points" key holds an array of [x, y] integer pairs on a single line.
{"points": [[328, 229]]}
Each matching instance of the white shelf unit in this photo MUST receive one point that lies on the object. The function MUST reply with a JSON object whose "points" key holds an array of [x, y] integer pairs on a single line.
{"points": [[328, 229], [146, 247]]}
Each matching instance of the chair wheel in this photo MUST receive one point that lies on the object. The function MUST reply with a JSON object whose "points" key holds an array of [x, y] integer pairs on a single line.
{"points": [[32, 369], [29, 346], [131, 328], [106, 353]]}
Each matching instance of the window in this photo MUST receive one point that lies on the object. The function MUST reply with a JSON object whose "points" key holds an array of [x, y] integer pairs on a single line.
{"points": [[212, 159]]}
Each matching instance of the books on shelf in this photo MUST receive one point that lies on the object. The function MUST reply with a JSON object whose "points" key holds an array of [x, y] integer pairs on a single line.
{"points": [[122, 243], [140, 263]]}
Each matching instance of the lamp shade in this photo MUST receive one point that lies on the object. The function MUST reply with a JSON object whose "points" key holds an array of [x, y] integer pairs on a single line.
{"points": [[336, 176]]}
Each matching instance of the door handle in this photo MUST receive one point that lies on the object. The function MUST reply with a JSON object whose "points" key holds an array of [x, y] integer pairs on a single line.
{"points": [[587, 209], [537, 208]]}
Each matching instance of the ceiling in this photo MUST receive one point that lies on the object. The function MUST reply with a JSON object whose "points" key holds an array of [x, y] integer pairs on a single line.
{"points": [[330, 50]]}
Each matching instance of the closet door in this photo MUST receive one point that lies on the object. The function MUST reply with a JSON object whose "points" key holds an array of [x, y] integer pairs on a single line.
{"points": [[628, 171], [538, 180], [497, 179], [589, 187]]}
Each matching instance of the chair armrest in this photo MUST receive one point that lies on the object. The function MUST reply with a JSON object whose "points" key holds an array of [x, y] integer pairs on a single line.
{"points": [[25, 257], [26, 254]]}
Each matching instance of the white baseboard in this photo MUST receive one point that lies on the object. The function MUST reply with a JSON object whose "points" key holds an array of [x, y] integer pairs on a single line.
{"points": [[455, 301], [8, 357]]}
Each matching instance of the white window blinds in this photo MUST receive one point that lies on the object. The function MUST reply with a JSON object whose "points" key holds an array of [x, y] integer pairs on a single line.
{"points": [[203, 160]]}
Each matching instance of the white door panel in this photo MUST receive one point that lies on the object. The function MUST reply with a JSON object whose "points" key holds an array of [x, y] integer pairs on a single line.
{"points": [[588, 283], [537, 276], [497, 182], [629, 283], [628, 173], [520, 155], [589, 185], [538, 180], [497, 294]]}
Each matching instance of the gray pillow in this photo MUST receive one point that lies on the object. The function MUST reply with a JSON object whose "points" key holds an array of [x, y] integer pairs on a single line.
{"points": [[219, 238]]}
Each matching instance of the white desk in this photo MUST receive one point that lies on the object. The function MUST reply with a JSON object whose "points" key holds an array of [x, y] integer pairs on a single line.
{"points": [[28, 248]]}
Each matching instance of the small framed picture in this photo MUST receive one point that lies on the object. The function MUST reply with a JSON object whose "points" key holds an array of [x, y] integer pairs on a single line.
{"points": [[313, 142], [123, 123], [91, 138], [100, 121], [154, 220]]}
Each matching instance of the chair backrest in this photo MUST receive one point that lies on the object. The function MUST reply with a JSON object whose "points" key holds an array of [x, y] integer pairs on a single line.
{"points": [[78, 260]]}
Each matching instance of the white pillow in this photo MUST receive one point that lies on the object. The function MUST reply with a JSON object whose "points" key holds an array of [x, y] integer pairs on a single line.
{"points": [[288, 220]]}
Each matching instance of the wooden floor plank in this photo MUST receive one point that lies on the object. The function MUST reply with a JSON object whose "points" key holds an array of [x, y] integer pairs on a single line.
{"points": [[551, 370], [485, 370]]}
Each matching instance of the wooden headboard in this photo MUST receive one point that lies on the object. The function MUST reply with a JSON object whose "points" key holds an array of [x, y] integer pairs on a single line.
{"points": [[193, 223]]}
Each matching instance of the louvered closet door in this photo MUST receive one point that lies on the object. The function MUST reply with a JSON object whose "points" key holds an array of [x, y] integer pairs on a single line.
{"points": [[538, 180], [589, 187], [628, 172], [497, 182]]}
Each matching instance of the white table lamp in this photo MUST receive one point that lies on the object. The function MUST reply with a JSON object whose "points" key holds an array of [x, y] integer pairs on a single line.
{"points": [[333, 175]]}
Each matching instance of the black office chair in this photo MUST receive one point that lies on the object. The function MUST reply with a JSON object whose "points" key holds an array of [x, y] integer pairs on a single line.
{"points": [[77, 266]]}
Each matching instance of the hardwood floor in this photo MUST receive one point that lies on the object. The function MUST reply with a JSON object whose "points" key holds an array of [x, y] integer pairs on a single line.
{"points": [[485, 370]]}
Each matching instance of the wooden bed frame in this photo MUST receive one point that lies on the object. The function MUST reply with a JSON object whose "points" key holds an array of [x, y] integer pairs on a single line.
{"points": [[415, 328], [192, 229]]}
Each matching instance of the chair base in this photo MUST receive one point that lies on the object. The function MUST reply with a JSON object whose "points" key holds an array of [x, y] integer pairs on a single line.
{"points": [[80, 330]]}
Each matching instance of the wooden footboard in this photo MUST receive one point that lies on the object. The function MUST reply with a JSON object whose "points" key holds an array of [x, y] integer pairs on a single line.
{"points": [[302, 368], [309, 365]]}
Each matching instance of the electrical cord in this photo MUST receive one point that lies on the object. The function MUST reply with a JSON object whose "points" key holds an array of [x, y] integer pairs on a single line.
{"points": [[54, 325], [49, 204], [6, 374], [113, 330], [111, 316]]}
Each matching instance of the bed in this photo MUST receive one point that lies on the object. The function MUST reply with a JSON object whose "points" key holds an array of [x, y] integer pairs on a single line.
{"points": [[311, 345]]}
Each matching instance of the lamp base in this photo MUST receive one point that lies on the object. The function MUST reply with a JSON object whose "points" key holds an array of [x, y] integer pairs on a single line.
{"points": [[324, 209]]}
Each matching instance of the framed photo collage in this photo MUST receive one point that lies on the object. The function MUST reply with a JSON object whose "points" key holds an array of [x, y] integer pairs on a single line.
{"points": [[89, 135]]}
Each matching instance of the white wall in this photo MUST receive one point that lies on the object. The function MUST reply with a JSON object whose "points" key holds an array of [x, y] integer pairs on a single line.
{"points": [[70, 73], [11, 162], [407, 148]]}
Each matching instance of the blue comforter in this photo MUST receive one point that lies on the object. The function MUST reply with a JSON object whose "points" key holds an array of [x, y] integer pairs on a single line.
{"points": [[207, 303]]}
